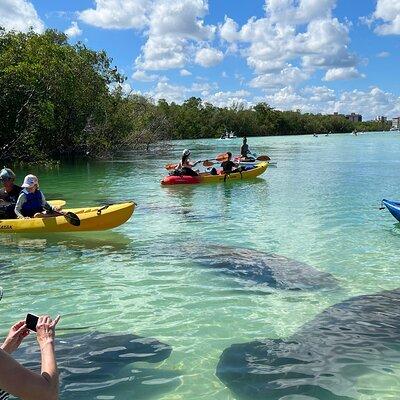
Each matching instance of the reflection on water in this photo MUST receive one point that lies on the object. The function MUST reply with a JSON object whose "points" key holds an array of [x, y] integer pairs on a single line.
{"points": [[104, 241], [105, 364], [326, 358]]}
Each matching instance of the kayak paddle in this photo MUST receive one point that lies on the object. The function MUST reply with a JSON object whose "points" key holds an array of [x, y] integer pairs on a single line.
{"points": [[72, 218], [220, 157]]}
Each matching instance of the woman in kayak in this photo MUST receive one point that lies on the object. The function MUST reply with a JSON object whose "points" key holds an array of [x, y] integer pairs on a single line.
{"points": [[31, 201], [185, 166]]}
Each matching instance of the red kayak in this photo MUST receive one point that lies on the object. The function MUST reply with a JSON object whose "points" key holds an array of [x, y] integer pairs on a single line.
{"points": [[180, 180]]}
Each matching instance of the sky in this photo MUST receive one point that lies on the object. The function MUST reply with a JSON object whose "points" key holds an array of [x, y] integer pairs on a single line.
{"points": [[320, 56]]}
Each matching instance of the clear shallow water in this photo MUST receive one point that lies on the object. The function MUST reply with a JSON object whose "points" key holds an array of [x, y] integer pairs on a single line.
{"points": [[319, 207]]}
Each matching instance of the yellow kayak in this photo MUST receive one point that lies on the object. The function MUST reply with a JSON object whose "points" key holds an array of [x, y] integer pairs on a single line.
{"points": [[208, 178], [92, 219], [249, 174]]}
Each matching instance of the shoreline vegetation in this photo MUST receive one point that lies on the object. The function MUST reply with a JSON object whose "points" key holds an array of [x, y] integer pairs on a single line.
{"points": [[61, 101]]}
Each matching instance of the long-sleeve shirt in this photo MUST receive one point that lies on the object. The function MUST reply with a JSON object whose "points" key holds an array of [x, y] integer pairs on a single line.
{"points": [[22, 200]]}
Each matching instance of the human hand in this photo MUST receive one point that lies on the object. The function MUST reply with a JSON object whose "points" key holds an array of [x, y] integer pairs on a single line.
{"points": [[17, 333], [45, 329]]}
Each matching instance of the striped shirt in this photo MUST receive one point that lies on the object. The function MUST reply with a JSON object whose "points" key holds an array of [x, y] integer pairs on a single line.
{"points": [[3, 395]]}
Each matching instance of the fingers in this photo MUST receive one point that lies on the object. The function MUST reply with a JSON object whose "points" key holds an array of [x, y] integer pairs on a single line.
{"points": [[17, 325], [22, 329], [55, 322], [25, 334]]}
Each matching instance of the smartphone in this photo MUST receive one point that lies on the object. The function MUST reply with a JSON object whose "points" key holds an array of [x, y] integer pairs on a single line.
{"points": [[31, 321]]}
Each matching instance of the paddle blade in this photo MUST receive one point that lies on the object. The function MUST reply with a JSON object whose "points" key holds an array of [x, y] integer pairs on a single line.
{"points": [[222, 157], [263, 158], [208, 163], [170, 166], [72, 218]]}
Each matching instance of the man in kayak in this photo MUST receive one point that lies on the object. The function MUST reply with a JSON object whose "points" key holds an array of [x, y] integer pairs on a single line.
{"points": [[228, 165], [245, 153], [31, 201], [8, 193], [185, 166]]}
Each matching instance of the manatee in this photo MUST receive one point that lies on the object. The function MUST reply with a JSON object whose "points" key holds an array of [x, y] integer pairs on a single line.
{"points": [[356, 340], [100, 364], [273, 270]]}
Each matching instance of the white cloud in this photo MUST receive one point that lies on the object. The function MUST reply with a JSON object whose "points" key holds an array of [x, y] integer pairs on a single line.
{"points": [[182, 18], [73, 30], [388, 12], [143, 76], [230, 98], [229, 30], [174, 28], [118, 14], [335, 74], [320, 99], [286, 11], [185, 72], [301, 32], [383, 54], [208, 57], [19, 15], [171, 93], [289, 75]]}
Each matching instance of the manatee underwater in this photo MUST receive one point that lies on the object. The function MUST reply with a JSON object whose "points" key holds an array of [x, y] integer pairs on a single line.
{"points": [[340, 354], [273, 270], [99, 364]]}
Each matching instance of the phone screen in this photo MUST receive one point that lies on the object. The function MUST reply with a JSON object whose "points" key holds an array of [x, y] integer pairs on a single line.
{"points": [[31, 321]]}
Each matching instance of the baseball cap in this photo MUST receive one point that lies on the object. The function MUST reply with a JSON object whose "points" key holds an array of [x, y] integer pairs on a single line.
{"points": [[29, 181], [6, 173]]}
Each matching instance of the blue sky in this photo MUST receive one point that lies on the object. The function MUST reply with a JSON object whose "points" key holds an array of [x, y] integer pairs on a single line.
{"points": [[312, 55]]}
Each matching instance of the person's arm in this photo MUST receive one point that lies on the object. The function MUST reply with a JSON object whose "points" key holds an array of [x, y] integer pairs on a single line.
{"points": [[18, 207], [46, 205], [42, 386]]}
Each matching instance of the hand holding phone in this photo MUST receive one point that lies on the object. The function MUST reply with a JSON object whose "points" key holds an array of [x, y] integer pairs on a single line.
{"points": [[31, 321]]}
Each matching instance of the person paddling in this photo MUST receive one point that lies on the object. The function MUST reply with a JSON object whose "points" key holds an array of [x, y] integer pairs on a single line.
{"points": [[228, 165], [8, 193], [245, 153], [185, 166], [31, 202]]}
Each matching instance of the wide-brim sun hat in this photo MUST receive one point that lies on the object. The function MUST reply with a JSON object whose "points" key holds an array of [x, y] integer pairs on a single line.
{"points": [[30, 181]]}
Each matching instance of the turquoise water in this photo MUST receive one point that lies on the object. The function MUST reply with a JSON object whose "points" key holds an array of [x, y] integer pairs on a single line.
{"points": [[319, 206]]}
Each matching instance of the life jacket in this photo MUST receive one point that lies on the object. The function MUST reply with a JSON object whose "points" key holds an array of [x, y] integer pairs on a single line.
{"points": [[33, 203]]}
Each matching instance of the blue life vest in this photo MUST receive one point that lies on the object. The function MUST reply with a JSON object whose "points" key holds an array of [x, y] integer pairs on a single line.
{"points": [[33, 203]]}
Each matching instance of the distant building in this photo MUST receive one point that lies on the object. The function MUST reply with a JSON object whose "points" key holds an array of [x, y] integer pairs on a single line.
{"points": [[354, 117], [381, 118], [396, 123], [336, 114]]}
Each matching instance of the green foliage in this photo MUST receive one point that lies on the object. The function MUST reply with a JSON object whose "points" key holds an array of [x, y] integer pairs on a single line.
{"points": [[59, 100], [49, 91]]}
